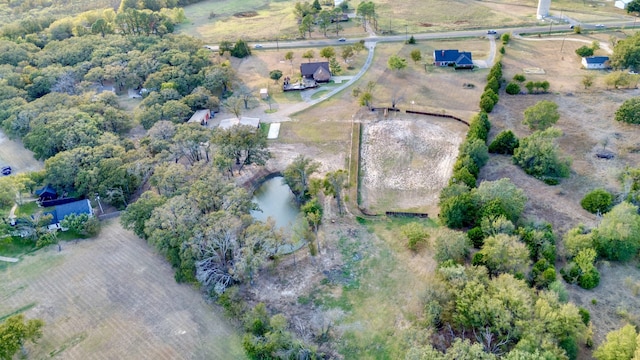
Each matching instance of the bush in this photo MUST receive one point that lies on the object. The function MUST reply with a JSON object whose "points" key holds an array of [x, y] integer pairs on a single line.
{"points": [[585, 315], [465, 161], [416, 234], [584, 51], [559, 288], [476, 236], [505, 38], [505, 143], [478, 259], [597, 201], [463, 176], [457, 212], [479, 127], [570, 347], [519, 78], [629, 111], [477, 150], [512, 89], [589, 279], [488, 100], [493, 84], [538, 156]]}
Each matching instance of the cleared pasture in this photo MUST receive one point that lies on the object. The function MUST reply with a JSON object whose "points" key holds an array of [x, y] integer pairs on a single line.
{"points": [[112, 297]]}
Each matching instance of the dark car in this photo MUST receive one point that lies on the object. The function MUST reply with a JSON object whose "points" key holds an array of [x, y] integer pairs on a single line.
{"points": [[491, 32], [6, 170], [342, 39]]}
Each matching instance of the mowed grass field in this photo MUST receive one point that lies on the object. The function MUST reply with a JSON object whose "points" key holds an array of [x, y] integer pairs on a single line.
{"points": [[112, 297]]}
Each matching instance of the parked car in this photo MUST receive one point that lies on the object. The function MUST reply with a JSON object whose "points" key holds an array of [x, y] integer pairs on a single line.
{"points": [[6, 170], [342, 39], [599, 25], [491, 32], [257, 46]]}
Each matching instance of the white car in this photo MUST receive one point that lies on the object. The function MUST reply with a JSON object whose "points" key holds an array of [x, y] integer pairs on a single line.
{"points": [[599, 25], [257, 46]]}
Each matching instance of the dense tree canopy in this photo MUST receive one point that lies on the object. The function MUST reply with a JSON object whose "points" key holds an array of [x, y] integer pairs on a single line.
{"points": [[626, 53]]}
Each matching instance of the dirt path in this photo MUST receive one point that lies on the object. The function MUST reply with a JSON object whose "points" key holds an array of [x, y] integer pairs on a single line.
{"points": [[603, 46], [114, 298]]}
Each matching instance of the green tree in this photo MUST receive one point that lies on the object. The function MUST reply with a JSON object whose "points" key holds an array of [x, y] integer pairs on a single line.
{"points": [[416, 55], [618, 235], [347, 53], [578, 239], [512, 89], [538, 156], [296, 176], [505, 194], [587, 81], [541, 115], [625, 53], [240, 49], [584, 51], [275, 75], [309, 54], [15, 332], [629, 111], [477, 150], [334, 183], [505, 38], [306, 26], [620, 345], [334, 66], [367, 12], [504, 143], [505, 253], [137, 213], [328, 52], [597, 201], [519, 78], [324, 21], [396, 63], [451, 245]]}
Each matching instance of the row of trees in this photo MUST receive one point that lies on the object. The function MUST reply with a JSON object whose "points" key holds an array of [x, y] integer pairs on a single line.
{"points": [[312, 15]]}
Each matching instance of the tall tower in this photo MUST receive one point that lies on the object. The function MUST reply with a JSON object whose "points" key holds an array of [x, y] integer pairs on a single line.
{"points": [[543, 9]]}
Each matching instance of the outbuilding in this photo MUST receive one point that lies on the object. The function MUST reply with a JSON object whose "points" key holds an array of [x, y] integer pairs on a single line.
{"points": [[595, 62]]}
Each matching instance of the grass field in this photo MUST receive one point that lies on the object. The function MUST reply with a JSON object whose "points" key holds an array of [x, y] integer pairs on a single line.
{"points": [[112, 298]]}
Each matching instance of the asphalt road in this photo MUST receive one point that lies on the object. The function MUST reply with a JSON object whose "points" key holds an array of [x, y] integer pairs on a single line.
{"points": [[322, 42]]}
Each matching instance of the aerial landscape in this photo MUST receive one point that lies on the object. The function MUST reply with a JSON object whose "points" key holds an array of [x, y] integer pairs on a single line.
{"points": [[320, 179]]}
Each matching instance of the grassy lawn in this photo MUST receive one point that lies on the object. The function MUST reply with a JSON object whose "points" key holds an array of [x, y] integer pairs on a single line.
{"points": [[27, 209], [378, 291], [14, 246]]}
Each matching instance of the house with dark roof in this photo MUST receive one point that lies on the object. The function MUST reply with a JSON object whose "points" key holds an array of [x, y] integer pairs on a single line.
{"points": [[61, 211], [318, 71], [595, 62], [455, 58], [46, 193]]}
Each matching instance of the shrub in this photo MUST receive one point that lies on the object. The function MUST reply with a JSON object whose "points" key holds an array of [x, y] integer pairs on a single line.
{"points": [[629, 111], [457, 212], [416, 234], [570, 347], [597, 201], [493, 84], [477, 150], [463, 176], [519, 78], [488, 100], [479, 127], [505, 143], [512, 89], [502, 51], [538, 156], [585, 315], [478, 259], [584, 51], [505, 38], [476, 236], [542, 115], [589, 279], [465, 161], [559, 288]]}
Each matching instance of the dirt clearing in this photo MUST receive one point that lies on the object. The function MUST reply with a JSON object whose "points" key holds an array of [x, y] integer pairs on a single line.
{"points": [[13, 153], [405, 163], [113, 298]]}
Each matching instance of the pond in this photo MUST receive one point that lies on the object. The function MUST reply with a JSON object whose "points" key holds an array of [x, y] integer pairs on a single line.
{"points": [[276, 200]]}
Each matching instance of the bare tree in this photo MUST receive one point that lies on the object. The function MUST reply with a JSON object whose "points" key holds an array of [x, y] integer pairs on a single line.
{"points": [[234, 105]]}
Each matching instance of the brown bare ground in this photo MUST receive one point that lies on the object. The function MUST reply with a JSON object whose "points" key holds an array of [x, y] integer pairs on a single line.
{"points": [[587, 121], [112, 297], [14, 154]]}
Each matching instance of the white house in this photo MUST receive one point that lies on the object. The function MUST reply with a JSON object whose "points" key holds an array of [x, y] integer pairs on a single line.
{"points": [[622, 4], [595, 62]]}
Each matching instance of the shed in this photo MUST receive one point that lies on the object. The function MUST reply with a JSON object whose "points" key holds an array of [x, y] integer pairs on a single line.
{"points": [[318, 71], [46, 193], [595, 62], [264, 93], [201, 116]]}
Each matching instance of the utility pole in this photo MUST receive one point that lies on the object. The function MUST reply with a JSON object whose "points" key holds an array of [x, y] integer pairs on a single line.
{"points": [[406, 32]]}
